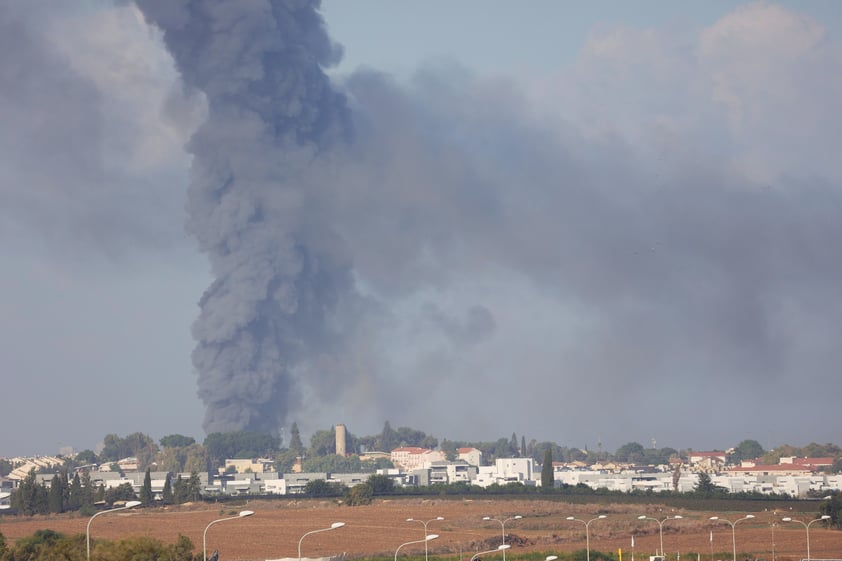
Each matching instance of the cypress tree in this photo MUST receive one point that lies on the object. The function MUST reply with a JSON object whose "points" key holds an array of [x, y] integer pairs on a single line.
{"points": [[167, 494], [180, 490], [146, 490], [74, 497], [547, 481], [295, 443], [56, 495]]}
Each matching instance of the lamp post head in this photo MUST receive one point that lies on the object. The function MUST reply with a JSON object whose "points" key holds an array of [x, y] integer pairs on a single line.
{"points": [[677, 517], [439, 517], [749, 516], [601, 516], [642, 517], [336, 525], [486, 518], [517, 517], [571, 518], [787, 519], [430, 537], [502, 547], [132, 504], [825, 517], [244, 513], [410, 520], [550, 557], [714, 518]]}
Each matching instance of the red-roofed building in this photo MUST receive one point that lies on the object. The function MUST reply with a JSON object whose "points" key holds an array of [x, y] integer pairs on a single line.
{"points": [[412, 457], [696, 457], [776, 469], [470, 456], [812, 463], [708, 462]]}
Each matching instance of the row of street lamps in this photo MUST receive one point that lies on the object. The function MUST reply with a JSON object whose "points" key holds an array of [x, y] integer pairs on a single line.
{"points": [[714, 518], [502, 548], [734, 528]]}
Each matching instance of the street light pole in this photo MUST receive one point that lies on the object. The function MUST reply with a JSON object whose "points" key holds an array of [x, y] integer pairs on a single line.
{"points": [[660, 526], [807, 527], [502, 548], [587, 531], [734, 529], [426, 539], [130, 504], [503, 528], [333, 526], [425, 530], [242, 514]]}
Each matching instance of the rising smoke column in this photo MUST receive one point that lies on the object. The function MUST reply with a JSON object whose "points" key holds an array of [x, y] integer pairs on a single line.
{"points": [[272, 118]]}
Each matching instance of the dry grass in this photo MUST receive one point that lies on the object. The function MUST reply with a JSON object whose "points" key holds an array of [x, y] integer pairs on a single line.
{"points": [[380, 528]]}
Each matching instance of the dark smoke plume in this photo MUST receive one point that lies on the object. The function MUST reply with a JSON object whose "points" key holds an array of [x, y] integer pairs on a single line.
{"points": [[272, 115]]}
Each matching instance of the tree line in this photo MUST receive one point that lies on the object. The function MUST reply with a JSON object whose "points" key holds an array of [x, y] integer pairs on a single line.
{"points": [[183, 454], [80, 493]]}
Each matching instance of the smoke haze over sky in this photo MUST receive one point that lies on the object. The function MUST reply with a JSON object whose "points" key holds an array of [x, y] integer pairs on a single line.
{"points": [[576, 224]]}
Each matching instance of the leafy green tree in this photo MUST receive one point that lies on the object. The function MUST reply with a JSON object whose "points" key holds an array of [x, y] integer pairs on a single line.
{"points": [[503, 448], [833, 508], [814, 450], [333, 463], [177, 441], [547, 479], [196, 458], [321, 488], [381, 484], [430, 442], [323, 442], [86, 458], [146, 490], [284, 460], [631, 452], [746, 450], [42, 545], [240, 444], [122, 492], [30, 498], [171, 459], [359, 495], [654, 456], [145, 548], [364, 444], [6, 467], [450, 449], [406, 436]]}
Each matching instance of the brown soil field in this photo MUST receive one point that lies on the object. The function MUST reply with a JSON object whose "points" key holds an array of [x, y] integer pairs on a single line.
{"points": [[381, 528]]}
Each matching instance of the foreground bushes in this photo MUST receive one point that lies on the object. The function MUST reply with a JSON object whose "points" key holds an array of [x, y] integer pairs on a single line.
{"points": [[47, 545]]}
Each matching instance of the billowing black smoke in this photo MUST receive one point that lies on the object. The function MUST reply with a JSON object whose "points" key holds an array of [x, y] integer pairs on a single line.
{"points": [[272, 117]]}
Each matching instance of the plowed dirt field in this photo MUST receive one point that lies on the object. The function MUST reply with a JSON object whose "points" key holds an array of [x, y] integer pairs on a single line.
{"points": [[379, 529]]}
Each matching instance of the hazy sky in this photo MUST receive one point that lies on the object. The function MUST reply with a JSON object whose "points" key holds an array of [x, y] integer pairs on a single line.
{"points": [[609, 223]]}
